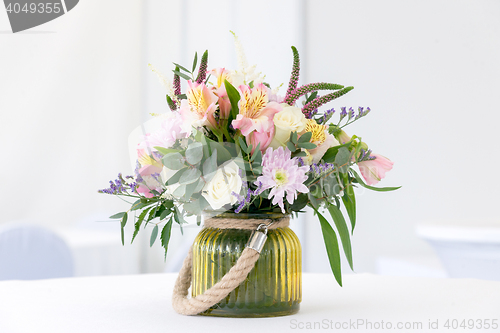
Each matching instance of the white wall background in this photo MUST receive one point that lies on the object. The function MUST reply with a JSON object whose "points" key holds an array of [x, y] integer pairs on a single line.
{"points": [[72, 89]]}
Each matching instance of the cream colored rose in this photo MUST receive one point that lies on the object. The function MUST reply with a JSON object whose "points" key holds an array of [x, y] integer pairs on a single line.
{"points": [[288, 120], [218, 192]]}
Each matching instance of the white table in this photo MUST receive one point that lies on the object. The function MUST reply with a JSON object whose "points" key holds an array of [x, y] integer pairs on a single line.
{"points": [[142, 303]]}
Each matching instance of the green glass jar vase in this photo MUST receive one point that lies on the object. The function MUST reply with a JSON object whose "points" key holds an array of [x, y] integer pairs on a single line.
{"points": [[273, 287]]}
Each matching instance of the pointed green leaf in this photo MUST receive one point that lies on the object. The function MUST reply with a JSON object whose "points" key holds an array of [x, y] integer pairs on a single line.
{"points": [[139, 222], [154, 234], [182, 67], [378, 189], [195, 61], [349, 200], [165, 151], [184, 76], [243, 145], [165, 235], [341, 225], [234, 98], [332, 247], [223, 155], [122, 225], [329, 156], [118, 215], [291, 146]]}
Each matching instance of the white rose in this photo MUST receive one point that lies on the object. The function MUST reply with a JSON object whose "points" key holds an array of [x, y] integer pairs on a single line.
{"points": [[218, 191], [288, 120]]}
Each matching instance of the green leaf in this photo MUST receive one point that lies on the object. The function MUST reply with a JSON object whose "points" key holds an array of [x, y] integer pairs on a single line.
{"points": [[243, 145], [193, 207], [331, 185], [194, 153], [306, 137], [234, 98], [193, 188], [139, 222], [165, 151], [195, 61], [311, 97], [182, 67], [299, 203], [330, 154], [378, 189], [291, 146], [173, 161], [349, 201], [306, 145], [122, 224], [184, 76], [210, 167], [118, 215], [164, 214], [342, 159], [165, 235], [293, 137], [341, 225], [175, 178], [180, 191], [332, 247], [223, 154], [154, 234], [256, 153]]}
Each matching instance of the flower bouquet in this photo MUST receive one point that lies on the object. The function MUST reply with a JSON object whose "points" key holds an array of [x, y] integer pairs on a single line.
{"points": [[232, 148]]}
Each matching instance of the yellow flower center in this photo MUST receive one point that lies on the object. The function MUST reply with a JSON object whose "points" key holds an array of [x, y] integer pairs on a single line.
{"points": [[252, 102], [280, 177], [318, 131]]}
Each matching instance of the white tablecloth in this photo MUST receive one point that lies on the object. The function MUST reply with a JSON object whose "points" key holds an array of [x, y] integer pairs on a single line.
{"points": [[142, 303]]}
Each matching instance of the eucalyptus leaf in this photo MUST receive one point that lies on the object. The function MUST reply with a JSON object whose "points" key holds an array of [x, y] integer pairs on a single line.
{"points": [[210, 166], [291, 146], [175, 178], [223, 154], [306, 145], [243, 145], [342, 159], [191, 188], [154, 235], [193, 207], [173, 161], [306, 137], [180, 191], [194, 153], [332, 247], [341, 225]]}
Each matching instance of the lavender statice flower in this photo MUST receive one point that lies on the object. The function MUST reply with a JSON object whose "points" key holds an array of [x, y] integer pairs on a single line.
{"points": [[243, 201], [326, 116], [321, 169], [365, 155], [120, 185], [351, 113], [343, 112]]}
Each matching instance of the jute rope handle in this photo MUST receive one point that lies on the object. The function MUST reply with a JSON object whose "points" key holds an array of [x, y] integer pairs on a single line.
{"points": [[236, 275]]}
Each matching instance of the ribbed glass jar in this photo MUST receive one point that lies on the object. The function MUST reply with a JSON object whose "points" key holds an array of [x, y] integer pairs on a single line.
{"points": [[273, 287]]}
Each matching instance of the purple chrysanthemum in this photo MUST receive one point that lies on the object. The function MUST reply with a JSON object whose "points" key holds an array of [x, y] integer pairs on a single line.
{"points": [[283, 175]]}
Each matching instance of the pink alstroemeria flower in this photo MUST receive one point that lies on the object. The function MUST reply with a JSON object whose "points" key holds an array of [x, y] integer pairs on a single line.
{"points": [[199, 107], [264, 138], [220, 90], [374, 170], [256, 114]]}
